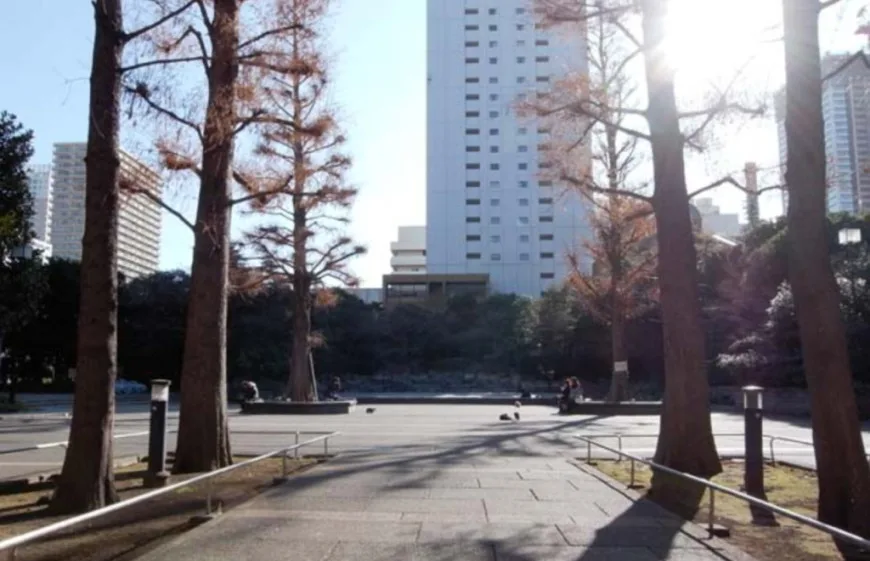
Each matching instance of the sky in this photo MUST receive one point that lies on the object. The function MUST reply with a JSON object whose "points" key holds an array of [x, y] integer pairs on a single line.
{"points": [[380, 85]]}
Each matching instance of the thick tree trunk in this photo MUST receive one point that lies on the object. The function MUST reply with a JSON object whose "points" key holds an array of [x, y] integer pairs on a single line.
{"points": [[86, 480], [685, 439], [619, 381], [203, 433], [844, 479], [299, 386]]}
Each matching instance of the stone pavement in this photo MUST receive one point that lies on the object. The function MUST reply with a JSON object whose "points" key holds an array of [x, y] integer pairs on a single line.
{"points": [[439, 504]]}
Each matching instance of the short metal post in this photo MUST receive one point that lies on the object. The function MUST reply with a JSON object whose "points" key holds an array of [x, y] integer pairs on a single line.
{"points": [[631, 484], [619, 437], [157, 475], [284, 465], [772, 456], [588, 451], [208, 491], [711, 514], [326, 446], [296, 450]]}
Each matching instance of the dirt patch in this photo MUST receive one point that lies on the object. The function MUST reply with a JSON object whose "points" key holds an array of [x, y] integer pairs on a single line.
{"points": [[792, 488], [132, 531]]}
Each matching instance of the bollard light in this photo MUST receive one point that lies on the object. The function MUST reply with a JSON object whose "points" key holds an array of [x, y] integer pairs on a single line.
{"points": [[157, 475], [753, 475], [752, 397]]}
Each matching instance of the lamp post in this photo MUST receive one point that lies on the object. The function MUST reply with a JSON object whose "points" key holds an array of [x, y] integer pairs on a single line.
{"points": [[157, 475]]}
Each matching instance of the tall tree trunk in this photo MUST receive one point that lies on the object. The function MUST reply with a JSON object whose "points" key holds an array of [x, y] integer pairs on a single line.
{"points": [[844, 479], [86, 480], [300, 387], [203, 432], [685, 439], [619, 381]]}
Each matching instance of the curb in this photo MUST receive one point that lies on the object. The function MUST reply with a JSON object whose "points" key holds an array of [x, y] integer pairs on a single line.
{"points": [[46, 480]]}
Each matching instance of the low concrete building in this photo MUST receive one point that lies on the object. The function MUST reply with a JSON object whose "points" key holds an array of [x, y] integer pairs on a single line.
{"points": [[431, 290]]}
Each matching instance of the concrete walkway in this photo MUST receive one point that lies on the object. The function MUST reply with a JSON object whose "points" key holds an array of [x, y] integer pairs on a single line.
{"points": [[446, 504]]}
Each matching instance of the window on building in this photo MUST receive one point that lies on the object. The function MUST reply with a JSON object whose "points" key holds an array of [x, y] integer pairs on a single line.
{"points": [[522, 148], [524, 238], [493, 132], [493, 97], [524, 256], [521, 43], [494, 167], [472, 60], [547, 275], [472, 202], [524, 202], [493, 80], [521, 59], [524, 220], [542, 79], [472, 80], [472, 256], [472, 166], [542, 43], [521, 11], [542, 59], [495, 256], [471, 11], [495, 220], [493, 28], [546, 237], [472, 148], [494, 202], [545, 200], [495, 238], [521, 79], [492, 11], [545, 165], [493, 44], [546, 219], [472, 97], [493, 60], [472, 27], [521, 26], [523, 166], [472, 131], [472, 219], [522, 130], [494, 184], [546, 255], [472, 184], [523, 184], [543, 130], [472, 238], [472, 114], [472, 43], [493, 149], [546, 183], [493, 114]]}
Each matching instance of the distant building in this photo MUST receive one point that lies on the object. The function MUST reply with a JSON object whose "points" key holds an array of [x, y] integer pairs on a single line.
{"points": [[409, 251], [714, 221], [431, 290], [846, 112], [35, 245], [490, 214], [41, 183], [139, 222], [368, 295]]}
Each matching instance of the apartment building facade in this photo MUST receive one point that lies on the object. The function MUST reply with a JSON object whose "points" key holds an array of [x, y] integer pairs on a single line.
{"points": [[139, 221], [41, 183], [488, 211]]}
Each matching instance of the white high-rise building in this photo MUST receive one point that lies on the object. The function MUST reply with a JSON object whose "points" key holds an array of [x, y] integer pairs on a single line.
{"points": [[846, 111], [409, 251], [487, 211], [139, 221], [40, 181]]}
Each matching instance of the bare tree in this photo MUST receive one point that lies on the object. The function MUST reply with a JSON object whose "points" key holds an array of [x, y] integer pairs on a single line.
{"points": [[301, 144], [844, 478], [621, 284], [235, 44], [86, 480]]}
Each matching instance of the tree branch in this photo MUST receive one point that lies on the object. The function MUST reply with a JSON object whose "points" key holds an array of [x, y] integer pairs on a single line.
{"points": [[590, 186], [734, 183], [148, 194], [127, 37], [158, 62], [295, 26], [142, 94], [846, 63], [827, 4]]}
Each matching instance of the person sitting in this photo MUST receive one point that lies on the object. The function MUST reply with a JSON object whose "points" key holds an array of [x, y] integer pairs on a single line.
{"points": [[333, 389], [250, 392], [565, 396]]}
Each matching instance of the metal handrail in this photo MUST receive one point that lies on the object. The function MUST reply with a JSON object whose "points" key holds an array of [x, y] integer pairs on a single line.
{"points": [[61, 444], [10, 544], [812, 522]]}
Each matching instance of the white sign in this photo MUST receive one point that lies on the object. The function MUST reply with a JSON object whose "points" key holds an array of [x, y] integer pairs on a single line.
{"points": [[620, 366], [159, 392]]}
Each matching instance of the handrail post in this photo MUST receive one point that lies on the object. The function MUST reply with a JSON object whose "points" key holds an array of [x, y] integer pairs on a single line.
{"points": [[296, 450], [711, 512], [619, 457], [208, 488], [326, 447], [772, 456], [588, 451], [631, 485]]}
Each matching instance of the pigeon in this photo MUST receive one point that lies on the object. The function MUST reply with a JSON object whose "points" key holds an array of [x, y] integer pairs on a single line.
{"points": [[517, 415], [504, 417], [370, 410]]}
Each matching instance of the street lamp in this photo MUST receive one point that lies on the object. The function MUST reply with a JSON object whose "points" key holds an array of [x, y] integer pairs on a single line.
{"points": [[848, 236]]}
